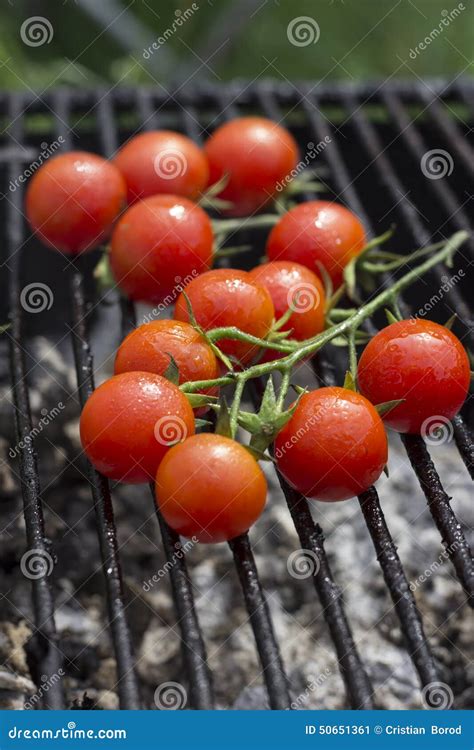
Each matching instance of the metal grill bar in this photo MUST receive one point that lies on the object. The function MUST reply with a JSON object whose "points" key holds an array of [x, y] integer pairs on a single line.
{"points": [[396, 580], [465, 443], [257, 607], [45, 655]]}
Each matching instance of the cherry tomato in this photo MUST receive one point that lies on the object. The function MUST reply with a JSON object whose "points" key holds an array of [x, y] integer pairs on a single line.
{"points": [[317, 231], [162, 161], [421, 362], [159, 244], [129, 423], [148, 347], [225, 297], [294, 286], [73, 200], [333, 447], [210, 487], [257, 155]]}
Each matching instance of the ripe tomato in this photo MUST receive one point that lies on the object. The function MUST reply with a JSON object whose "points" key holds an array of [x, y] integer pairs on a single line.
{"points": [[225, 297], [317, 231], [294, 286], [210, 487], [333, 447], [148, 347], [162, 161], [129, 423], [257, 154], [421, 362], [159, 244], [73, 200]]}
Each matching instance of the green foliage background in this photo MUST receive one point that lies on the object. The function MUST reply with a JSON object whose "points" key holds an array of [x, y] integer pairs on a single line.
{"points": [[222, 39]]}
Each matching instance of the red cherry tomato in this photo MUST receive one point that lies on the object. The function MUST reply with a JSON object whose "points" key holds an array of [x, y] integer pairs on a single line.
{"points": [[73, 200], [148, 347], [291, 285], [317, 231], [210, 487], [333, 447], [162, 161], [129, 423], [257, 155], [421, 362], [225, 297], [159, 244]]}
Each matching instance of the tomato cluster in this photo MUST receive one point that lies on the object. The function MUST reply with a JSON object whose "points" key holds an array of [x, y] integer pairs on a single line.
{"points": [[139, 426]]}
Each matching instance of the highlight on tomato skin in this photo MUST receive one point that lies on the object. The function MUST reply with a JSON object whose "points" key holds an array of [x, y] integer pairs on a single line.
{"points": [[318, 231], [158, 245], [73, 200], [421, 362], [211, 488], [130, 422], [294, 286], [162, 161], [334, 446], [148, 349], [226, 297], [256, 155]]}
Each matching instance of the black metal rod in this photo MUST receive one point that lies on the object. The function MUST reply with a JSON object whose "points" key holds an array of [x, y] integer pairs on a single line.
{"points": [[46, 656], [358, 685], [257, 607], [127, 684], [193, 648], [465, 443], [443, 515], [402, 596]]}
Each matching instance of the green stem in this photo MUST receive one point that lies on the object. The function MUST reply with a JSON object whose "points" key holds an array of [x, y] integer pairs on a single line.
{"points": [[234, 410], [284, 385], [199, 385], [231, 332], [226, 226]]}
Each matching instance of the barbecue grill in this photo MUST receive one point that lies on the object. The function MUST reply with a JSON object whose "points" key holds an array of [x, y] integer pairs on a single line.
{"points": [[377, 136]]}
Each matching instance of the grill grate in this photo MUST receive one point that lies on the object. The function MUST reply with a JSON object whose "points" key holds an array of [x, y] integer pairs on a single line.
{"points": [[193, 112]]}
